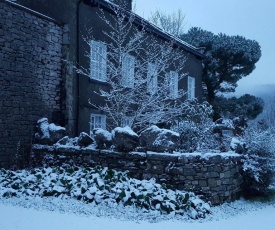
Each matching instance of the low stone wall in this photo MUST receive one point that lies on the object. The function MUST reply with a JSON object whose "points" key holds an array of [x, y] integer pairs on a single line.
{"points": [[214, 176]]}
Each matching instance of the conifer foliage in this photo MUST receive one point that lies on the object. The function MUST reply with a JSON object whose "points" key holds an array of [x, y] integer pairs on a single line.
{"points": [[229, 58]]}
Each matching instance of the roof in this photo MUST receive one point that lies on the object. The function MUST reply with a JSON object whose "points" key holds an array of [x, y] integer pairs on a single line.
{"points": [[153, 28]]}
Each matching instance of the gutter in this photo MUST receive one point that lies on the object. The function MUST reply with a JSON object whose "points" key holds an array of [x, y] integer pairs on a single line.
{"points": [[151, 28]]}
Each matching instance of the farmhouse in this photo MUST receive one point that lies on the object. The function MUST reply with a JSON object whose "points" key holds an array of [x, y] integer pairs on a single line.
{"points": [[44, 42]]}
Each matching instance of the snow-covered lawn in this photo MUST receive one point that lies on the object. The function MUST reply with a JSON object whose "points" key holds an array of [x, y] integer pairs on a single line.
{"points": [[56, 214]]}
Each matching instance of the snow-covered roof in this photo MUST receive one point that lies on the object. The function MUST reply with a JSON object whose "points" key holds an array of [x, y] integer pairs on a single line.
{"points": [[154, 29]]}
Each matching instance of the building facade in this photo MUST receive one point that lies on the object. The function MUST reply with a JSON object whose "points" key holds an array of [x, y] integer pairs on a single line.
{"points": [[44, 42]]}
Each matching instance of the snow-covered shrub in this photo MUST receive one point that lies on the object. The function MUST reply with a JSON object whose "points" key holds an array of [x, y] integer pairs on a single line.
{"points": [[159, 140], [196, 127], [124, 139], [259, 162], [100, 185], [103, 138], [237, 145]]}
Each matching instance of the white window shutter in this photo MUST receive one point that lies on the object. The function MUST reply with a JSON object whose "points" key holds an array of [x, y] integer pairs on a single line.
{"points": [[128, 71], [98, 59], [176, 84], [132, 72], [191, 88], [152, 79], [173, 84]]}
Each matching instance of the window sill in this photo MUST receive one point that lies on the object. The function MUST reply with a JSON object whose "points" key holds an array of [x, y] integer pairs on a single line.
{"points": [[99, 82]]}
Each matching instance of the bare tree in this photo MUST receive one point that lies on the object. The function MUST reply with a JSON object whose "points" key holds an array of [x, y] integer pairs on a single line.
{"points": [[173, 23], [145, 90]]}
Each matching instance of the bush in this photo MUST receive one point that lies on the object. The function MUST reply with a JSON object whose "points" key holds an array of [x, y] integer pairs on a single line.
{"points": [[100, 185], [196, 127], [258, 164]]}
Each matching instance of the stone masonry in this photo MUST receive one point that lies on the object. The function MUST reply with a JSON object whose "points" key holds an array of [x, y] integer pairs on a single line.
{"points": [[30, 78], [214, 176]]}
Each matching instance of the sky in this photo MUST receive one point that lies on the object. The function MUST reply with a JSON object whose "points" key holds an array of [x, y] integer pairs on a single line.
{"points": [[253, 19]]}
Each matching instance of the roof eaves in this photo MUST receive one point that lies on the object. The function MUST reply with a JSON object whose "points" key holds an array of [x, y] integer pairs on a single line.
{"points": [[153, 28]]}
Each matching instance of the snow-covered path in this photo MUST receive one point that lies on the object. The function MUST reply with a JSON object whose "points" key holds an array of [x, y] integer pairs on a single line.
{"points": [[20, 218]]}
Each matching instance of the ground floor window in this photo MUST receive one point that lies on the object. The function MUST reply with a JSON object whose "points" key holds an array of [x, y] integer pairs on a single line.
{"points": [[126, 121], [97, 121]]}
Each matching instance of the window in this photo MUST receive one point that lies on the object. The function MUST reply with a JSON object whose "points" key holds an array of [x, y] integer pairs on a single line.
{"points": [[152, 78], [126, 121], [98, 61], [97, 121], [191, 88], [173, 79], [128, 71]]}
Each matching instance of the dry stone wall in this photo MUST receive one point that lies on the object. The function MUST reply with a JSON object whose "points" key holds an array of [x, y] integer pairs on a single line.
{"points": [[30, 69], [215, 176]]}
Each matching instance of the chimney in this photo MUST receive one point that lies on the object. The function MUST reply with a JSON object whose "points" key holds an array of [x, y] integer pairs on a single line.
{"points": [[127, 4]]}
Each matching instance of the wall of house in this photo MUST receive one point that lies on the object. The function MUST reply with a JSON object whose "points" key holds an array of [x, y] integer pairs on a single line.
{"points": [[65, 11], [94, 28], [30, 82], [216, 177]]}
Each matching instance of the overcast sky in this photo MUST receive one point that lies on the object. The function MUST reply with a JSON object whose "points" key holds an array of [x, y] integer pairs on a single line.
{"points": [[253, 19]]}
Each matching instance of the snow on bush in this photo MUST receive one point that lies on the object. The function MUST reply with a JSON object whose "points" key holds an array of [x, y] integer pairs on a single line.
{"points": [[258, 164], [100, 185]]}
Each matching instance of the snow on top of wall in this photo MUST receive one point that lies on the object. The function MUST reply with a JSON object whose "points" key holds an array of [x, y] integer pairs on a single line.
{"points": [[126, 129], [198, 154], [154, 128], [54, 127], [105, 133]]}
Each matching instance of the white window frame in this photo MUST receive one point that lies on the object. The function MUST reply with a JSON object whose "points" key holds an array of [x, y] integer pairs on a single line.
{"points": [[191, 88], [98, 59], [97, 121], [128, 71], [173, 79], [126, 121], [152, 78]]}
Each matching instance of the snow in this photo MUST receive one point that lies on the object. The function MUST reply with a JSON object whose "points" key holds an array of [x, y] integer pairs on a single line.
{"points": [[53, 127], [126, 129], [199, 154], [234, 143], [105, 133], [54, 214], [156, 129]]}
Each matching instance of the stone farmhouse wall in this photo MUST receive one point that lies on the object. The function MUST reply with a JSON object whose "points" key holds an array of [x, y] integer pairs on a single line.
{"points": [[217, 178], [30, 69]]}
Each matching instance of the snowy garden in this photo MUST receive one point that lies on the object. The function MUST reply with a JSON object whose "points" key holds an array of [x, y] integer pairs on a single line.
{"points": [[165, 157]]}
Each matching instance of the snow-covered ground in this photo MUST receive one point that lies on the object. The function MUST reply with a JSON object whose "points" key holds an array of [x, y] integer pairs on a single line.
{"points": [[56, 214]]}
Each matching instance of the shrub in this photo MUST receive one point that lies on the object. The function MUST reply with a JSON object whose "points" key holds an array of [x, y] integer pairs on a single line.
{"points": [[100, 185], [196, 127], [258, 164]]}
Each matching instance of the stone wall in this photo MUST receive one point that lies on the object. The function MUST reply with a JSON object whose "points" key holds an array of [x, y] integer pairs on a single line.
{"points": [[30, 68], [215, 176]]}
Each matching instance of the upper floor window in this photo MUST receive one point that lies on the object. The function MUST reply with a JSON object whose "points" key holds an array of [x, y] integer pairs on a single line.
{"points": [[97, 121], [152, 78], [128, 71], [98, 59], [173, 79], [191, 88]]}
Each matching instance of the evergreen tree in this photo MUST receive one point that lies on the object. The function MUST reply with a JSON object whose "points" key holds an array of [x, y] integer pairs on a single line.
{"points": [[229, 58], [246, 106]]}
